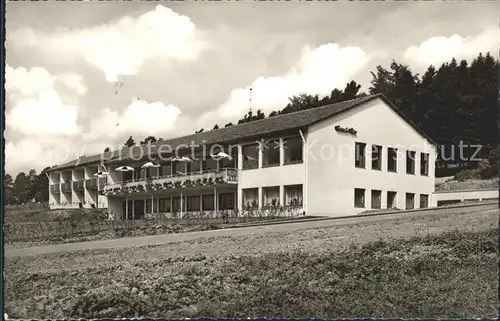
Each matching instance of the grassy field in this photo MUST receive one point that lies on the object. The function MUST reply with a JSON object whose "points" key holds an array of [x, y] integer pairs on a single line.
{"points": [[421, 267], [450, 184]]}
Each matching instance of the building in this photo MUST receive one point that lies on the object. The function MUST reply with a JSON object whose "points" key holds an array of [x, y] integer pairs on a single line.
{"points": [[335, 160]]}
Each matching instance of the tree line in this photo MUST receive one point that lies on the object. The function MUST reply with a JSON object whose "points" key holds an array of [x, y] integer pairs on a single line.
{"points": [[454, 102]]}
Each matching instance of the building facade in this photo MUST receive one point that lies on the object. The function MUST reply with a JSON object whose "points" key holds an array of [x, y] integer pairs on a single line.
{"points": [[335, 160]]}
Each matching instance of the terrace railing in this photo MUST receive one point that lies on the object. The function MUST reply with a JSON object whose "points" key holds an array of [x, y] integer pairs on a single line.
{"points": [[225, 176], [55, 188], [66, 187], [91, 183], [79, 185]]}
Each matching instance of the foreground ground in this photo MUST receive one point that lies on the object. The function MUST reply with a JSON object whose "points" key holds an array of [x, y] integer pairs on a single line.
{"points": [[440, 266]]}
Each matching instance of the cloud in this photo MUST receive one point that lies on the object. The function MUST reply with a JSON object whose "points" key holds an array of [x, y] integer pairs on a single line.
{"points": [[122, 47], [140, 117], [437, 50], [36, 107], [318, 71]]}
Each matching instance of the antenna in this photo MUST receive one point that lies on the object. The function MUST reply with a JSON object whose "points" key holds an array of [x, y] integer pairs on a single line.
{"points": [[250, 100]]}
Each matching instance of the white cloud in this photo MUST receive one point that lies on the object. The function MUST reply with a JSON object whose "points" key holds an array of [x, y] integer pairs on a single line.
{"points": [[437, 50], [122, 47], [319, 71], [35, 107], [43, 115], [140, 117]]}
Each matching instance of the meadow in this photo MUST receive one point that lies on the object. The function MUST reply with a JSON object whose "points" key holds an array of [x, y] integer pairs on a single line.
{"points": [[442, 266]]}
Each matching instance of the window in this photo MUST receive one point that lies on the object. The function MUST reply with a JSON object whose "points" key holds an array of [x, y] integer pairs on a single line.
{"points": [[127, 176], [193, 203], [360, 155], [164, 205], [392, 160], [293, 150], [293, 195], [359, 197], [165, 170], [226, 201], [127, 209], [424, 200], [270, 196], [424, 164], [271, 152], [194, 166], [376, 157], [391, 200], [208, 164], [152, 172], [151, 206], [208, 202], [410, 201], [250, 198], [376, 199], [176, 204], [231, 151], [410, 162], [250, 156]]}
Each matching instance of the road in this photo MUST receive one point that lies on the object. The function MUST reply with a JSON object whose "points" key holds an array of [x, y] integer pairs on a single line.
{"points": [[283, 227]]}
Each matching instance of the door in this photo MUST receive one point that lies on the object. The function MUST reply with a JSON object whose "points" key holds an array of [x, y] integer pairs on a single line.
{"points": [[138, 209]]}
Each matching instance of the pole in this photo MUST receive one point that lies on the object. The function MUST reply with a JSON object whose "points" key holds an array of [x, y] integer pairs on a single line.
{"points": [[126, 208], [181, 203]]}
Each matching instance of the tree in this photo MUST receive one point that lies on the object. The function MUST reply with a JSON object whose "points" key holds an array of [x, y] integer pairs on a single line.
{"points": [[20, 188], [148, 140], [228, 124], [9, 189], [130, 142], [215, 127], [199, 131], [106, 150]]}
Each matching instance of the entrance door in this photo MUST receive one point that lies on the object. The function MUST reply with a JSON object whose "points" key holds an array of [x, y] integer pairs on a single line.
{"points": [[138, 209]]}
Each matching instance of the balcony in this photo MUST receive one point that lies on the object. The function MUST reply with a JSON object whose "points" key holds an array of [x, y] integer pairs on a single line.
{"points": [[103, 181], [191, 180], [55, 188], [66, 187], [91, 183], [79, 185]]}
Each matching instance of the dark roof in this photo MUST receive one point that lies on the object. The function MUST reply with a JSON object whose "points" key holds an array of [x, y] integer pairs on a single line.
{"points": [[235, 133]]}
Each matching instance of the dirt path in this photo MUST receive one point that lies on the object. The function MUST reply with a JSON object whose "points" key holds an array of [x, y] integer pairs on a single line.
{"points": [[290, 227]]}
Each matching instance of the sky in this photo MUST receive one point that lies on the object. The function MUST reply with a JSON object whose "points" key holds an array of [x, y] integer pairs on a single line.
{"points": [[83, 76]]}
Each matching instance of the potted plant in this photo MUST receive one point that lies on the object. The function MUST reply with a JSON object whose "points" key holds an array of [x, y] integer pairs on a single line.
{"points": [[199, 182], [205, 181], [178, 184]]}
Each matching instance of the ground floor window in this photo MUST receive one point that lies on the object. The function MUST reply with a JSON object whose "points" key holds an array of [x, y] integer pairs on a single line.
{"points": [[270, 196], [410, 201], [376, 199], [359, 197], [424, 200], [391, 199], [293, 195], [226, 201], [164, 205], [128, 209], [193, 203], [208, 203], [250, 198], [176, 204]]}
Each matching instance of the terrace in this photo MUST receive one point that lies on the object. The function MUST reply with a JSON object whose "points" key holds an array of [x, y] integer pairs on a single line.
{"points": [[196, 179]]}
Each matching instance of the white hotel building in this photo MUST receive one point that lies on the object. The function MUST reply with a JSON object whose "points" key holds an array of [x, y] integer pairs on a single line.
{"points": [[336, 160]]}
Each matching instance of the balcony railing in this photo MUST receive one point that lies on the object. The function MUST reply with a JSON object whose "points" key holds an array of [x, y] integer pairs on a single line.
{"points": [[103, 181], [204, 178], [66, 187], [79, 185], [55, 188], [91, 183]]}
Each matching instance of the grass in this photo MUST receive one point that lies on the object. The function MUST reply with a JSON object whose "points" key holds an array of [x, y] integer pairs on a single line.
{"points": [[466, 185], [414, 267]]}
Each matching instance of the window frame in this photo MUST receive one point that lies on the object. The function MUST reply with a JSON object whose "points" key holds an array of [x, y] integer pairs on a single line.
{"points": [[412, 200], [424, 164], [374, 191], [271, 147], [393, 159], [286, 152], [411, 163], [264, 196], [300, 199], [361, 157], [246, 163], [379, 160], [363, 201]]}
